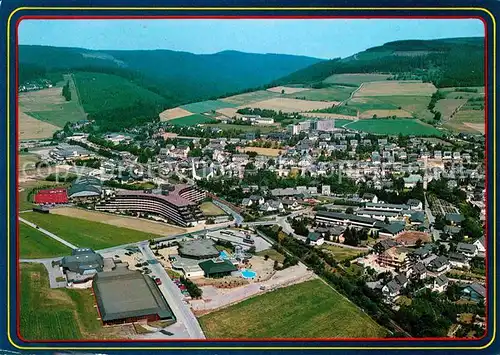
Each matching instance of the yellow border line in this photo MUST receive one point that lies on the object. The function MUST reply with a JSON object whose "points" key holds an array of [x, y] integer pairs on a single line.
{"points": [[492, 235]]}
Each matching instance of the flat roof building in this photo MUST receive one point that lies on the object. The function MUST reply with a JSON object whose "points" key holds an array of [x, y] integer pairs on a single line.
{"points": [[125, 296], [198, 249], [217, 268]]}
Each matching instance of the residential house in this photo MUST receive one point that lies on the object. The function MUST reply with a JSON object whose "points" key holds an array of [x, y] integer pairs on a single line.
{"points": [[418, 271], [439, 265], [474, 292], [396, 258], [458, 260], [440, 283], [391, 290], [314, 238], [480, 247], [415, 204], [454, 218], [412, 181], [469, 250]]}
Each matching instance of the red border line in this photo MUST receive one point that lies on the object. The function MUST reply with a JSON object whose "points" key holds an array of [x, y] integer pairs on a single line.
{"points": [[32, 17]]}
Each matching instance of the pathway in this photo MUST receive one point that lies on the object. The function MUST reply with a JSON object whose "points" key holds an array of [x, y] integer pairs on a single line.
{"points": [[51, 235]]}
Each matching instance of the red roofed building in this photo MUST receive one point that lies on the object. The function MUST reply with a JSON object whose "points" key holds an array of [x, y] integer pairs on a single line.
{"points": [[51, 196]]}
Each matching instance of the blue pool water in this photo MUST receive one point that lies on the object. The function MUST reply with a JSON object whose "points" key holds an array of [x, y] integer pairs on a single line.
{"points": [[223, 255], [248, 274]]}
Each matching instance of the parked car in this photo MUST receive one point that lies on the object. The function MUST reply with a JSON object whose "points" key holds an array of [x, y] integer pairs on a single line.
{"points": [[158, 281]]}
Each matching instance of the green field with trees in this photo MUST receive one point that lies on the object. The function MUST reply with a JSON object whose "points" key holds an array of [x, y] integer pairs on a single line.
{"points": [[191, 120], [308, 310]]}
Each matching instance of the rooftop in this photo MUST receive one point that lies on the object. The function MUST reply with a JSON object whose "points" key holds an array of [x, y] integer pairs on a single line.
{"points": [[198, 248]]}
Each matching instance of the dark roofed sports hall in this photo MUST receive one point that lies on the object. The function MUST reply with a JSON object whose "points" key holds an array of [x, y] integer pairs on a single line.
{"points": [[125, 296]]}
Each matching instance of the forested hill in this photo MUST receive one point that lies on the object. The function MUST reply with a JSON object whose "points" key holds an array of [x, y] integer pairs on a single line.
{"points": [[178, 76], [444, 62]]}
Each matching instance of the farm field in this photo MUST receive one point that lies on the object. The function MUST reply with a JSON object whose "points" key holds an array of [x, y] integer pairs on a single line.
{"points": [[385, 113], [191, 120], [86, 233], [447, 107], [355, 79], [291, 105], [142, 225], [332, 93], [470, 118], [397, 88], [206, 106], [307, 310], [271, 152], [55, 314], [286, 89], [174, 113], [33, 244], [335, 116], [49, 107], [250, 97], [339, 253], [99, 91], [341, 122], [211, 209], [31, 128], [395, 126], [452, 93], [243, 128], [27, 161]]}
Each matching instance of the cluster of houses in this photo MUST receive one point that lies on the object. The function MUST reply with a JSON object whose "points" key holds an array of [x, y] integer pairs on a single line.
{"points": [[34, 85]]}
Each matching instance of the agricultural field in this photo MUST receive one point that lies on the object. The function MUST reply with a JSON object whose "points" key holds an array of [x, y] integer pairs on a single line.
{"points": [[396, 88], [355, 79], [339, 253], [308, 310], [291, 105], [470, 117], [86, 234], [339, 123], [243, 128], [139, 224], [332, 93], [270, 152], [206, 106], [99, 91], [286, 89], [250, 97], [394, 126], [56, 314], [385, 113], [27, 161], [174, 113], [33, 244], [49, 107], [31, 128], [191, 120], [449, 107], [336, 116], [210, 209], [452, 93]]}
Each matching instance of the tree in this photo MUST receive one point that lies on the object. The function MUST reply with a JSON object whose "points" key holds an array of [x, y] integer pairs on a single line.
{"points": [[349, 210], [282, 91], [66, 92], [418, 243]]}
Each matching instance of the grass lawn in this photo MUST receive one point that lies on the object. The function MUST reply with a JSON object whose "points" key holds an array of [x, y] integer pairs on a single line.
{"points": [[273, 255], [340, 253], [307, 310], [84, 233], [33, 244], [210, 209], [341, 123], [244, 128], [53, 314], [191, 120], [395, 127], [207, 106], [333, 93]]}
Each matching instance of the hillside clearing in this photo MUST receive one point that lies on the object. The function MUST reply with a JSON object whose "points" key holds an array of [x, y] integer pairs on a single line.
{"points": [[174, 113], [355, 79], [249, 97], [399, 88], [286, 89], [307, 310], [332, 93], [206, 106], [290, 105]]}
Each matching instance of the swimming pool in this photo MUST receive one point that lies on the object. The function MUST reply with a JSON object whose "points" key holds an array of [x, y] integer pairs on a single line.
{"points": [[248, 274], [223, 255]]}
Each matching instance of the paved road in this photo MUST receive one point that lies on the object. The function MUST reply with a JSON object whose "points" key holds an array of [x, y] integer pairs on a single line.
{"points": [[173, 296], [46, 232]]}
